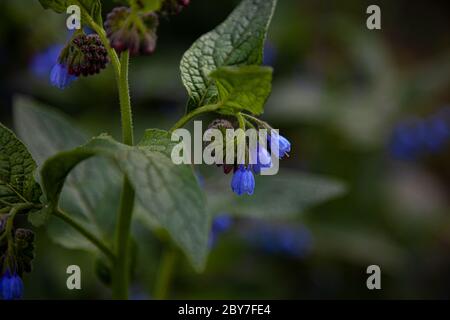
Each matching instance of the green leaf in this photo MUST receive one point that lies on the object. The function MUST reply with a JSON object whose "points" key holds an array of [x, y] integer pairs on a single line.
{"points": [[93, 8], [283, 196], [17, 167], [238, 41], [168, 192], [243, 88], [90, 191]]}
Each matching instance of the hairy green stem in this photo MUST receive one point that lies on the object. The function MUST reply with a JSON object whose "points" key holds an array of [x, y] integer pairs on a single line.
{"points": [[125, 103], [165, 273], [122, 236], [185, 119], [92, 238]]}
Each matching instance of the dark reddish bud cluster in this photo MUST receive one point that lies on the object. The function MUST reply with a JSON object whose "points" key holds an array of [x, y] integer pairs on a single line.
{"points": [[86, 55], [136, 33], [173, 7]]}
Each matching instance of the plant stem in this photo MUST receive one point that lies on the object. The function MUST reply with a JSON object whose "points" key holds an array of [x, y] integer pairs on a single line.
{"points": [[121, 270], [77, 226], [122, 236], [165, 273], [185, 119], [258, 121], [241, 120], [125, 103]]}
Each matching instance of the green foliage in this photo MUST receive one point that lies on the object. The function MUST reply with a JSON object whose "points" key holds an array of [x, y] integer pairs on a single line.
{"points": [[17, 167], [243, 88], [168, 192], [237, 41], [93, 8], [89, 193]]}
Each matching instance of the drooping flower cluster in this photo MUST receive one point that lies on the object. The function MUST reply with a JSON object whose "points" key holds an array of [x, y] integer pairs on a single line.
{"points": [[135, 29], [257, 159], [88, 56], [84, 55], [135, 32], [16, 255]]}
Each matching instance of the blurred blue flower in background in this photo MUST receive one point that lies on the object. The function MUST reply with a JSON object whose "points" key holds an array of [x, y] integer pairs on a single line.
{"points": [[43, 62], [221, 223], [293, 241], [413, 138]]}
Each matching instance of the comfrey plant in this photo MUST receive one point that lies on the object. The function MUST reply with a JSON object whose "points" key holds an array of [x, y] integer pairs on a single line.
{"points": [[59, 178], [222, 73]]}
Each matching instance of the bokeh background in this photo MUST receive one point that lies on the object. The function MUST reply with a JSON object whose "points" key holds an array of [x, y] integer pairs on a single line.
{"points": [[370, 109]]}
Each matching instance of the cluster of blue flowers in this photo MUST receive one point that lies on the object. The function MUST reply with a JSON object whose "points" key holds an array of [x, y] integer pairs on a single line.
{"points": [[414, 138], [11, 286], [243, 181]]}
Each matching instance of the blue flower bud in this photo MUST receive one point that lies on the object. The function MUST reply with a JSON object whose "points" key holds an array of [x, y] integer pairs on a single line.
{"points": [[284, 146], [11, 286], [60, 77], [243, 181]]}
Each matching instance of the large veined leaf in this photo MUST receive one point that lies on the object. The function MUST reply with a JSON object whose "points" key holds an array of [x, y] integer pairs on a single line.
{"points": [[17, 167], [243, 88], [239, 40], [168, 192], [90, 191], [92, 8]]}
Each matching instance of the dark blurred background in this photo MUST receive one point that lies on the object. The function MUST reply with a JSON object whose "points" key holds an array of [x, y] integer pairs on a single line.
{"points": [[368, 107]]}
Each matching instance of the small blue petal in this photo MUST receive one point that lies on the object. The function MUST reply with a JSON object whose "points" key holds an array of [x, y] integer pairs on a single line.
{"points": [[284, 146], [263, 159], [43, 62], [60, 77], [243, 181]]}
